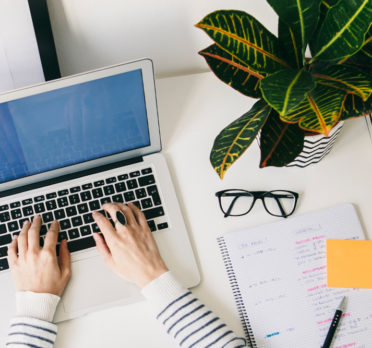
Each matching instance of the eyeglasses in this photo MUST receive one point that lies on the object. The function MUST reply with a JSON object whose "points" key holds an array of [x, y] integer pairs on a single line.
{"points": [[240, 202]]}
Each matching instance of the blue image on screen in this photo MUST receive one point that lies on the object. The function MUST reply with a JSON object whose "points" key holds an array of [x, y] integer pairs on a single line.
{"points": [[73, 124]]}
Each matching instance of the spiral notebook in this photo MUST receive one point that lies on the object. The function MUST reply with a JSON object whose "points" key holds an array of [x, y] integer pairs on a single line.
{"points": [[278, 277]]}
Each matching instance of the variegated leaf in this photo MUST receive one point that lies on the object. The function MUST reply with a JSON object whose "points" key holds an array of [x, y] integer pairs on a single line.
{"points": [[319, 111], [235, 73], [280, 142], [233, 140], [301, 16], [343, 29], [356, 107], [286, 88], [246, 39], [346, 78], [290, 49]]}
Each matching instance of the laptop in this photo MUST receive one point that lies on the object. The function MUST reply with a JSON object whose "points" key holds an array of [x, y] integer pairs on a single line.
{"points": [[70, 145]]}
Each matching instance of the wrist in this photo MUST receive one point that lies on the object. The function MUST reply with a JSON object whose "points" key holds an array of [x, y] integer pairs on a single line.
{"points": [[40, 306], [149, 277]]}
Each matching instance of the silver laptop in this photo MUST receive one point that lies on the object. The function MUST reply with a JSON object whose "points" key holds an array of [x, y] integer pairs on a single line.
{"points": [[67, 147]]}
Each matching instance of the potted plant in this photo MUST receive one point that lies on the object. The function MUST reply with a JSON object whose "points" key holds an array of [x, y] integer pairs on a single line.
{"points": [[297, 95]]}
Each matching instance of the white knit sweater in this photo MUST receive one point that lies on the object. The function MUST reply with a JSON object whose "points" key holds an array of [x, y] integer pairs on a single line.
{"points": [[184, 317]]}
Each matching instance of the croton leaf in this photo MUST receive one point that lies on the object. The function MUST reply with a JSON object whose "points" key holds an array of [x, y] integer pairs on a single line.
{"points": [[342, 31], [235, 73], [356, 107], [286, 88], [301, 16], [280, 142], [344, 77], [233, 140], [319, 111], [289, 40], [245, 38]]}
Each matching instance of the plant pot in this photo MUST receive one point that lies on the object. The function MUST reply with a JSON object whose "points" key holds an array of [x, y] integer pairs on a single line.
{"points": [[316, 147]]}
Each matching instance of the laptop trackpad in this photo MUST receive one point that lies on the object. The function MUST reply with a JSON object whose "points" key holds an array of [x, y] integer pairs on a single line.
{"points": [[93, 284]]}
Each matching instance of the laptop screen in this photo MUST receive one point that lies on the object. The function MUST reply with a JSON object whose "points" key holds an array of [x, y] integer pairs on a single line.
{"points": [[72, 124]]}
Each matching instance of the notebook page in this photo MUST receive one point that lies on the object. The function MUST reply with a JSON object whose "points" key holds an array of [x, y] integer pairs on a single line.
{"points": [[280, 270]]}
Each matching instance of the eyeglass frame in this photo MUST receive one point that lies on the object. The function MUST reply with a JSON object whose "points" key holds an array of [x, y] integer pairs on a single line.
{"points": [[256, 195]]}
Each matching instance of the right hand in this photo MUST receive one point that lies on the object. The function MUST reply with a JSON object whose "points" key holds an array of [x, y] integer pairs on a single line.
{"points": [[129, 250]]}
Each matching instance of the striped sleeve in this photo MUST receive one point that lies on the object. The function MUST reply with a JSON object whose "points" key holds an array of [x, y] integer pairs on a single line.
{"points": [[31, 332], [185, 318]]}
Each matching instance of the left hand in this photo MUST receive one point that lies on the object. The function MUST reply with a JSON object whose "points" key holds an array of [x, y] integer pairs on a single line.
{"points": [[37, 268]]}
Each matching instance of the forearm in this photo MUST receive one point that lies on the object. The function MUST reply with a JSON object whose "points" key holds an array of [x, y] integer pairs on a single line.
{"points": [[185, 318], [33, 327]]}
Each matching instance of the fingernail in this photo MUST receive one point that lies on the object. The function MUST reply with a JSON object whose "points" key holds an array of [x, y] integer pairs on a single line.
{"points": [[25, 223]]}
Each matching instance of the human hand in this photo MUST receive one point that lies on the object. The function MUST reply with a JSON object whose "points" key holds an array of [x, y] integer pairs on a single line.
{"points": [[37, 268], [129, 250]]}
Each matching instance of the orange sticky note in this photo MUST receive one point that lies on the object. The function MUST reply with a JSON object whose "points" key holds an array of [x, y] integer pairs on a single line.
{"points": [[349, 263]]}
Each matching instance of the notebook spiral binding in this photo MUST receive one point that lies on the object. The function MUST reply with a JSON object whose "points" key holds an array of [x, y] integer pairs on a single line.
{"points": [[236, 292]]}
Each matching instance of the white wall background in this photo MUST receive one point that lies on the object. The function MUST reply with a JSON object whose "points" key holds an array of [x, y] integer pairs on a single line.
{"points": [[94, 33]]}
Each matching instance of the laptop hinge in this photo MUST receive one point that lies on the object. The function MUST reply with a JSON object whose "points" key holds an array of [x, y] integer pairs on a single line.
{"points": [[71, 176]]}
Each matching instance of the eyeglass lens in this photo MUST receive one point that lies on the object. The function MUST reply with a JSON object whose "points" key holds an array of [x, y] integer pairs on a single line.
{"points": [[279, 203], [236, 202]]}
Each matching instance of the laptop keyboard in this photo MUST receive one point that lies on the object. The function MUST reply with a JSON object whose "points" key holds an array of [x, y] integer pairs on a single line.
{"points": [[73, 209]]}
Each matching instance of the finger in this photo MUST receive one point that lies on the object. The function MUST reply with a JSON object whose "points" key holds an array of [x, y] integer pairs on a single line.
{"points": [[138, 214], [51, 237], [64, 259], [113, 208], [34, 233], [105, 226], [103, 249], [22, 239], [12, 252]]}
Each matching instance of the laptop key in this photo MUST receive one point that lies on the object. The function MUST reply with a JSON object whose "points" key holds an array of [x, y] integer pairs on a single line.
{"points": [[27, 201], [146, 203], [105, 200], [94, 205], [141, 193], [137, 204], [59, 214], [97, 193], [118, 199], [76, 221], [71, 211], [16, 213], [120, 187], [75, 189], [132, 184], [153, 213], [4, 217], [15, 205], [123, 177], [3, 251], [3, 229], [109, 190], [27, 211], [85, 196], [4, 207], [95, 228], [99, 183], [152, 225], [62, 193], [65, 224], [83, 208], [62, 236], [129, 196], [162, 226], [88, 218], [134, 174], [6, 239], [43, 230], [74, 199], [110, 180], [47, 217], [87, 186], [51, 195], [74, 233], [85, 230], [62, 202], [39, 208], [153, 192], [12, 226], [39, 198], [51, 205], [146, 180], [22, 221], [81, 244], [146, 171], [4, 264]]}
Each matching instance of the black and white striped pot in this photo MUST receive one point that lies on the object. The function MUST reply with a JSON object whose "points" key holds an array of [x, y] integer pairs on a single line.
{"points": [[316, 147]]}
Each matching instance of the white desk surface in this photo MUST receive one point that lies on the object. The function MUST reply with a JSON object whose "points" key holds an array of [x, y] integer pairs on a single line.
{"points": [[192, 110]]}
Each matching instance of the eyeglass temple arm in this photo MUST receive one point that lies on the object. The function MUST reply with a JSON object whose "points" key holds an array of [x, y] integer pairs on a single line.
{"points": [[231, 206], [280, 207]]}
